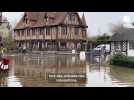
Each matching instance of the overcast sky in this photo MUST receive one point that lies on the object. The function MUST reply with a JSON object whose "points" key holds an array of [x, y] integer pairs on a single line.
{"points": [[98, 22]]}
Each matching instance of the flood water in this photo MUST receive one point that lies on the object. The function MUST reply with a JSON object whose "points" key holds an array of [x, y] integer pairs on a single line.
{"points": [[33, 70]]}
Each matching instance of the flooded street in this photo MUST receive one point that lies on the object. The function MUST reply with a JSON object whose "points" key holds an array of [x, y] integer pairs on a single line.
{"points": [[33, 70]]}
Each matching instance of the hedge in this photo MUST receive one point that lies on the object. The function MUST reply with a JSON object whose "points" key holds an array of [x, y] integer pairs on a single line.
{"points": [[121, 60]]}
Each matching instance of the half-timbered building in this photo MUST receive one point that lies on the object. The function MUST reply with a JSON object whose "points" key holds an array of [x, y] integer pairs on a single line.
{"points": [[51, 31]]}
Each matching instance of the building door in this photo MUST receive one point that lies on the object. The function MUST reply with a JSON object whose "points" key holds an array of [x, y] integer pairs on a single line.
{"points": [[40, 45], [63, 45]]}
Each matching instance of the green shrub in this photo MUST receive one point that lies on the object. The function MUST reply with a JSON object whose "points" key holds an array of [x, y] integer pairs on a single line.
{"points": [[121, 60], [117, 57]]}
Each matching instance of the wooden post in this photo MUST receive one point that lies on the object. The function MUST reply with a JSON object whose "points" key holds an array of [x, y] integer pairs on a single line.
{"points": [[91, 53]]}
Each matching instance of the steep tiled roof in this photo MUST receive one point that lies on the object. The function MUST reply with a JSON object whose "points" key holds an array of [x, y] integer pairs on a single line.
{"points": [[37, 19]]}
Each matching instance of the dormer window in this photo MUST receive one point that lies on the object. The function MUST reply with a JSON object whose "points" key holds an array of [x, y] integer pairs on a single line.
{"points": [[25, 19], [72, 17], [84, 32], [46, 17]]}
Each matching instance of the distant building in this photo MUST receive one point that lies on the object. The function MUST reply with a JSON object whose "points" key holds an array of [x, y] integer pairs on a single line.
{"points": [[4, 26], [51, 31]]}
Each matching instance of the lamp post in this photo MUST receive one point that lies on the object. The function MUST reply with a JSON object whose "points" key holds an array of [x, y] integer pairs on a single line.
{"points": [[45, 17]]}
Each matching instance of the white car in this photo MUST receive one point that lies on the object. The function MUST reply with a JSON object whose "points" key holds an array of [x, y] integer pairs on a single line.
{"points": [[102, 47]]}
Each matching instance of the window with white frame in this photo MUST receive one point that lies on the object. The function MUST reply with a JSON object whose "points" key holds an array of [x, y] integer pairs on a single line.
{"points": [[33, 31], [77, 30], [28, 32], [47, 31], [72, 17], [117, 46], [44, 30], [131, 45]]}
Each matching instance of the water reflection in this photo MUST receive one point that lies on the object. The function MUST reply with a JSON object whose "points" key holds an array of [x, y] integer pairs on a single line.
{"points": [[32, 71], [3, 79], [13, 81], [99, 76], [125, 75]]}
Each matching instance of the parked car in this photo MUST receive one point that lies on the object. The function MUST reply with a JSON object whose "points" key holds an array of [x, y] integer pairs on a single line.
{"points": [[101, 49]]}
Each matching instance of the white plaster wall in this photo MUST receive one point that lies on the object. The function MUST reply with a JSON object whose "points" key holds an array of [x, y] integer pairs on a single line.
{"points": [[130, 52]]}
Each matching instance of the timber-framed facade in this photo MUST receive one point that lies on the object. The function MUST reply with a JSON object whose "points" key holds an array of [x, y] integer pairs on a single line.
{"points": [[123, 42], [51, 31]]}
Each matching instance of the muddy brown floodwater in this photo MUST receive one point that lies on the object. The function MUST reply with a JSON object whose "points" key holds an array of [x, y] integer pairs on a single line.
{"points": [[33, 70]]}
